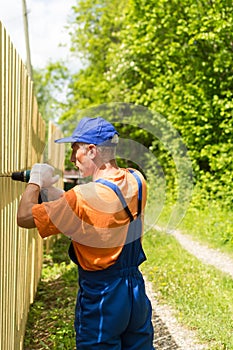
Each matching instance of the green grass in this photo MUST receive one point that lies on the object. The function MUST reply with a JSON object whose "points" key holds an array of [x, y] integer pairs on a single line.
{"points": [[201, 295], [212, 224], [51, 316], [209, 222]]}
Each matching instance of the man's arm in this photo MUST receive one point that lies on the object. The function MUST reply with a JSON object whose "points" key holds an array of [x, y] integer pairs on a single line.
{"points": [[29, 198], [41, 176]]}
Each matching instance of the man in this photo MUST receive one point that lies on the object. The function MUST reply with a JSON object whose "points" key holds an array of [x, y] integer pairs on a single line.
{"points": [[104, 219]]}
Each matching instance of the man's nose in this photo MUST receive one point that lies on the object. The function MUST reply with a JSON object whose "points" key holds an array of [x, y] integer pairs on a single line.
{"points": [[72, 158]]}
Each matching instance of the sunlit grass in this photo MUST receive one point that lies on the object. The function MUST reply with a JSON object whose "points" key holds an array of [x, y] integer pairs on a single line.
{"points": [[51, 317], [212, 224], [201, 295]]}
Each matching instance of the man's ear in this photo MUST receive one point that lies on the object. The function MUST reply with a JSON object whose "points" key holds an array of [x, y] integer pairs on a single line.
{"points": [[91, 151]]}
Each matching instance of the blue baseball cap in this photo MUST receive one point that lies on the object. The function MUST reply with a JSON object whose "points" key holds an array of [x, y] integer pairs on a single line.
{"points": [[93, 130]]}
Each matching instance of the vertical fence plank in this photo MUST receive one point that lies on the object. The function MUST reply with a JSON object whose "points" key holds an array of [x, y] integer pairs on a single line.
{"points": [[1, 97]]}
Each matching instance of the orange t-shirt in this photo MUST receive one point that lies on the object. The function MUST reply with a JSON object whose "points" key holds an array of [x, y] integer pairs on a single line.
{"points": [[93, 217]]}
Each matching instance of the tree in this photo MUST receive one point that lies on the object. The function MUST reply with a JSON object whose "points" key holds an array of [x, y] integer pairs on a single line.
{"points": [[171, 57], [94, 29], [51, 88], [178, 60]]}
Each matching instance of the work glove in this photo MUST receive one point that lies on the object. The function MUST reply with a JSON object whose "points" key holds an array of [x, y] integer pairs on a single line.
{"points": [[43, 175], [51, 194]]}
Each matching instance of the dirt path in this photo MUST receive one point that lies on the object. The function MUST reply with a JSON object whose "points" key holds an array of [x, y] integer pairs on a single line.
{"points": [[169, 335], [207, 255]]}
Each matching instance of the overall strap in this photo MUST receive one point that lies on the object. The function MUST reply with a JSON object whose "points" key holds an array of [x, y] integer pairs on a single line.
{"points": [[116, 189], [139, 190], [132, 253]]}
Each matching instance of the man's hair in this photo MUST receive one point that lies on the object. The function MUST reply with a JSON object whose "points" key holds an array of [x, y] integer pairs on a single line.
{"points": [[107, 153]]}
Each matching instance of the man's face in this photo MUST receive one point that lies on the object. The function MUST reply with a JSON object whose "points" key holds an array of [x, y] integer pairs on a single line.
{"points": [[82, 160]]}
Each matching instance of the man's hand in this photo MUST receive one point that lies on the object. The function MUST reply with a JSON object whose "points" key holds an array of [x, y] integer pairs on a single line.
{"points": [[43, 175]]}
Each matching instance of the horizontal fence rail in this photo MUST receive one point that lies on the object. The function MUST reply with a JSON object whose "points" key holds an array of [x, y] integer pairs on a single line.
{"points": [[22, 143]]}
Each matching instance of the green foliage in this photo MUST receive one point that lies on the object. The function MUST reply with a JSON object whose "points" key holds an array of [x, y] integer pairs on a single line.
{"points": [[51, 86], [174, 58], [94, 29], [170, 57], [178, 61]]}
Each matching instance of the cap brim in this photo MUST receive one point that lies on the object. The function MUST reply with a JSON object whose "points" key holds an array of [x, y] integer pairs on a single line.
{"points": [[65, 139]]}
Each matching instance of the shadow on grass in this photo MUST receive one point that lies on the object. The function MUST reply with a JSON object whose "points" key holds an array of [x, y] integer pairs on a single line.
{"points": [[51, 316]]}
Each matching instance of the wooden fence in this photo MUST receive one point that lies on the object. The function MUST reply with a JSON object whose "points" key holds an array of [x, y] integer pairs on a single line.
{"points": [[22, 144]]}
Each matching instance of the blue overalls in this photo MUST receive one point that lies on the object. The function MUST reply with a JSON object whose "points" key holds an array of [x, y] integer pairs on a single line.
{"points": [[112, 309]]}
